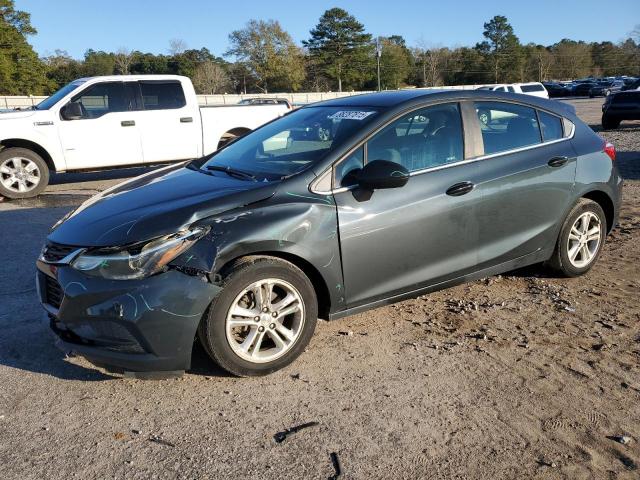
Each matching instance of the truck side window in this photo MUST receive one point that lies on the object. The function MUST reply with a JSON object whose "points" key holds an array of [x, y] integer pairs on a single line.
{"points": [[102, 98], [162, 95]]}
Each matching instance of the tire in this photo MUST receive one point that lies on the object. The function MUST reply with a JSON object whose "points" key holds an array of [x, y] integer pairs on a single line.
{"points": [[224, 343], [23, 173], [610, 123], [561, 260]]}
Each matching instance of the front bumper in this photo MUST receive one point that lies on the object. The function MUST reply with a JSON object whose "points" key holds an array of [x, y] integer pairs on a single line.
{"points": [[146, 325]]}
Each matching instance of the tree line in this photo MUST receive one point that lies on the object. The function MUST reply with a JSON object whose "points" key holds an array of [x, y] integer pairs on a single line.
{"points": [[338, 55]]}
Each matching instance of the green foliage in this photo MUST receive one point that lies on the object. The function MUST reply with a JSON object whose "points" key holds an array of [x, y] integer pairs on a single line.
{"points": [[21, 71], [339, 54], [396, 62], [341, 49], [270, 54]]}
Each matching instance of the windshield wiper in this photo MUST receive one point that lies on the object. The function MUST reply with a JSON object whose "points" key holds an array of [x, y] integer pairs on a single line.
{"points": [[231, 171]]}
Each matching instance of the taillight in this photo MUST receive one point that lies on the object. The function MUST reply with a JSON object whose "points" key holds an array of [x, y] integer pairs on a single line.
{"points": [[610, 150]]}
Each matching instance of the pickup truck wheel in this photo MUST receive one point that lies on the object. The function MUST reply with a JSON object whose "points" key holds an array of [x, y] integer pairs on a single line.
{"points": [[263, 318], [23, 173]]}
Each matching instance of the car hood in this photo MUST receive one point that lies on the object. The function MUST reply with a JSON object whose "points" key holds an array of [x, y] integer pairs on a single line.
{"points": [[155, 204], [16, 114]]}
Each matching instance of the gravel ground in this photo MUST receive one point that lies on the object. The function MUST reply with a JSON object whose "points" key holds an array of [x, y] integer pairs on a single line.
{"points": [[516, 376]]}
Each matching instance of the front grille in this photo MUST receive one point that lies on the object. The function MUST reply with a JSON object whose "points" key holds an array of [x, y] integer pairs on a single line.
{"points": [[54, 252], [52, 292]]}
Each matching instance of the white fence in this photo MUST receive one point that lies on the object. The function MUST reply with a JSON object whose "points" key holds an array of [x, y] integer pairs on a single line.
{"points": [[10, 103]]}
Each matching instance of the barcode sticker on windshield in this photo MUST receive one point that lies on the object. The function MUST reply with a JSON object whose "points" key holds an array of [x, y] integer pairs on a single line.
{"points": [[350, 115]]}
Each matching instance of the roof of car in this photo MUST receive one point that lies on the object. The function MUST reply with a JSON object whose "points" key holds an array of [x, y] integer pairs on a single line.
{"points": [[398, 98]]}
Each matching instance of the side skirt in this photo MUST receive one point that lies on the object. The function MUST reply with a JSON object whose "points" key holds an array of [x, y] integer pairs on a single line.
{"points": [[529, 259]]}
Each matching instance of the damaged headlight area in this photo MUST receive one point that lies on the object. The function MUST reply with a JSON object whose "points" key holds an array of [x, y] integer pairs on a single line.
{"points": [[137, 261]]}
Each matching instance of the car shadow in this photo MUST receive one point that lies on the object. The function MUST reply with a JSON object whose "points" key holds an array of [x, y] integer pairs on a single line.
{"points": [[26, 342]]}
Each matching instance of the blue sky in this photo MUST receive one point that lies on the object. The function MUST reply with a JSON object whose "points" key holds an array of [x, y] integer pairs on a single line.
{"points": [[148, 25]]}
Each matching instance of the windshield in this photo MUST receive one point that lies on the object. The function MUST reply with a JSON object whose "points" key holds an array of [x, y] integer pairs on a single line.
{"points": [[49, 102], [291, 143]]}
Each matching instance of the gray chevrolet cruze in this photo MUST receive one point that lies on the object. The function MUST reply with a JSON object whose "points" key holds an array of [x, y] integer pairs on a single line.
{"points": [[333, 209]]}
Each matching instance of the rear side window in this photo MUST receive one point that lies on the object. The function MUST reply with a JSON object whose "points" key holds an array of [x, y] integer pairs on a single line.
{"points": [[511, 89], [507, 126], [532, 88], [102, 98], [551, 126], [425, 138], [162, 95]]}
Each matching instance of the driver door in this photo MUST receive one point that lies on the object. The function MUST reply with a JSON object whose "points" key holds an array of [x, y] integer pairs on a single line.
{"points": [[402, 239], [107, 134]]}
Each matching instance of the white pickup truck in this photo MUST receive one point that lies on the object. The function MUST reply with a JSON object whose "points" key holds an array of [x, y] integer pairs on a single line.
{"points": [[115, 121]]}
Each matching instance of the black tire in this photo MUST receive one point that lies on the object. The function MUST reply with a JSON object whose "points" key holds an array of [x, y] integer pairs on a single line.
{"points": [[609, 123], [42, 172], [560, 259], [212, 328]]}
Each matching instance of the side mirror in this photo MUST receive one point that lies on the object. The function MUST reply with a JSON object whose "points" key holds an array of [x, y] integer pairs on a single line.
{"points": [[72, 111], [383, 174]]}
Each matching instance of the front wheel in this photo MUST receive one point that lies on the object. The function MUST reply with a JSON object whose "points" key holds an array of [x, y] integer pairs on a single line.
{"points": [[262, 320], [581, 239], [23, 173]]}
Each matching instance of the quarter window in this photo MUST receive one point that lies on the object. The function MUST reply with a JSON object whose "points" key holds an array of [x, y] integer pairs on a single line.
{"points": [[425, 138], [551, 126], [507, 126], [162, 95], [347, 170], [102, 98]]}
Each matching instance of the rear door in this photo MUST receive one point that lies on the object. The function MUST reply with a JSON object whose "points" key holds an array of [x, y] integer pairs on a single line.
{"points": [[106, 135], [526, 180], [169, 123], [398, 240]]}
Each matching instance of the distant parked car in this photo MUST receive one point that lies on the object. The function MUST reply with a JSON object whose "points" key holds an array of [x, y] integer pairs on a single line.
{"points": [[606, 88], [620, 106], [266, 101], [582, 89], [535, 89], [557, 89], [632, 84]]}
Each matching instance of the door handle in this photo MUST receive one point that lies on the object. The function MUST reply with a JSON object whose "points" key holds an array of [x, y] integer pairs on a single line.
{"points": [[558, 161], [460, 189], [127, 123], [186, 119]]}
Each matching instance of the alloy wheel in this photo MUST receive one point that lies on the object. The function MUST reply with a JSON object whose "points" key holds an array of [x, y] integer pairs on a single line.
{"points": [[584, 240], [19, 174], [265, 320]]}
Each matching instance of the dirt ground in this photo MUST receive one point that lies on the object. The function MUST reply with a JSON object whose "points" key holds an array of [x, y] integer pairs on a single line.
{"points": [[522, 375]]}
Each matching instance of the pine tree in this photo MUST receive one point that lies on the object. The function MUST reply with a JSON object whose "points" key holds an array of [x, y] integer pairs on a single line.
{"points": [[341, 47], [21, 71]]}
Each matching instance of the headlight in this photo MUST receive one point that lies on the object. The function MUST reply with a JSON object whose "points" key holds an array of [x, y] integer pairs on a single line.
{"points": [[137, 261]]}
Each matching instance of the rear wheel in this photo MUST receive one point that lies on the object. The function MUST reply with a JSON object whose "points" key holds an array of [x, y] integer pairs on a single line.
{"points": [[262, 320], [609, 123], [23, 173], [581, 239]]}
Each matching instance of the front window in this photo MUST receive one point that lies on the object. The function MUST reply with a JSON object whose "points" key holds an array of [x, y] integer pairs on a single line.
{"points": [[102, 98], [291, 143], [50, 101], [426, 138]]}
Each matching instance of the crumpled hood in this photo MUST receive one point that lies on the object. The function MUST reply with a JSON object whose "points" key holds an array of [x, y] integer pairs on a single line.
{"points": [[155, 204]]}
